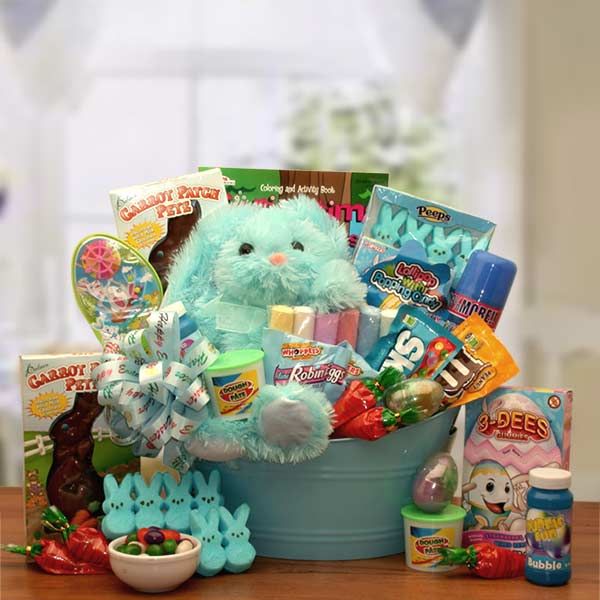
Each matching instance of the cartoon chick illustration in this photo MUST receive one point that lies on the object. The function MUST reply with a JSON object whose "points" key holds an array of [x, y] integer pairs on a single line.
{"points": [[489, 494]]}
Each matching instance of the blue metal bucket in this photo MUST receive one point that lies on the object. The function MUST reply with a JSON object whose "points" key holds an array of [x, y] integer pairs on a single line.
{"points": [[343, 505]]}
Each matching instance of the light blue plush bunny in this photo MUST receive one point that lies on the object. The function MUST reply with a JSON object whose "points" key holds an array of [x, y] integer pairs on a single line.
{"points": [[208, 495], [293, 253], [206, 529], [415, 232], [387, 227], [148, 502], [466, 249], [118, 507], [440, 249], [179, 502], [239, 552]]}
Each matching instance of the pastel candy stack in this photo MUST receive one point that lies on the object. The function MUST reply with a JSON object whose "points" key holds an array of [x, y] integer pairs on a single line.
{"points": [[348, 327], [360, 328]]}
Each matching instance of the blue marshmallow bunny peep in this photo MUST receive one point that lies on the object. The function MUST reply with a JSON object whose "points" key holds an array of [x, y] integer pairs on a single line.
{"points": [[118, 507], [253, 257]]}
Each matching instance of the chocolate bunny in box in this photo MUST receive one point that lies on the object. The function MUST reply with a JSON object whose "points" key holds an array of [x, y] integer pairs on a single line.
{"points": [[253, 257], [72, 481]]}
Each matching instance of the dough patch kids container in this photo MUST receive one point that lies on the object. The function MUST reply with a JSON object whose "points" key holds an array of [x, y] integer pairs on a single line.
{"points": [[233, 381], [425, 533]]}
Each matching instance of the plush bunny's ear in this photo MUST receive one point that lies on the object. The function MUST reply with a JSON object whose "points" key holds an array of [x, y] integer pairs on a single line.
{"points": [[241, 514], [111, 487], [303, 208]]}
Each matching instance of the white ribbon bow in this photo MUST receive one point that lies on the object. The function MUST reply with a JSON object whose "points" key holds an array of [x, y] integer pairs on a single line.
{"points": [[152, 378]]}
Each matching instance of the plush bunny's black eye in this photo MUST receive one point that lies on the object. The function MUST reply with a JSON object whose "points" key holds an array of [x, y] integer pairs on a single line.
{"points": [[246, 249], [298, 246]]}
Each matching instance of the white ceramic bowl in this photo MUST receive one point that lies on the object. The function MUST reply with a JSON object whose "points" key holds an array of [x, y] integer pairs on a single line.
{"points": [[154, 574]]}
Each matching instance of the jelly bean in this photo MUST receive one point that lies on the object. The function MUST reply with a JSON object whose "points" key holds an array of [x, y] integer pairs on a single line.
{"points": [[171, 534], [132, 537], [184, 546], [169, 546], [154, 550], [141, 533], [122, 548], [134, 548], [154, 536]]}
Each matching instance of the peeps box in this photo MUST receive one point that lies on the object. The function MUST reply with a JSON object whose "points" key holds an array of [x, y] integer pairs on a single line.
{"points": [[398, 223], [508, 433], [156, 218], [67, 446], [343, 195]]}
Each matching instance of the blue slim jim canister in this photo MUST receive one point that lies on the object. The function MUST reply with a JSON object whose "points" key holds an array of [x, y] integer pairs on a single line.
{"points": [[483, 288]]}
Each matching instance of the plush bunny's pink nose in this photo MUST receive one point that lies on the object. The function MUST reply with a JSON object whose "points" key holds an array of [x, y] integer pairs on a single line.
{"points": [[278, 259]]}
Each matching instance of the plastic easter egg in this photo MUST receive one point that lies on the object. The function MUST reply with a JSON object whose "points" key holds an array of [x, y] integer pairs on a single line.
{"points": [[414, 399], [435, 483]]}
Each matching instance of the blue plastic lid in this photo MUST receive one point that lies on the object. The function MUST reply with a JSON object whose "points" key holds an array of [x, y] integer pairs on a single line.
{"points": [[487, 278]]}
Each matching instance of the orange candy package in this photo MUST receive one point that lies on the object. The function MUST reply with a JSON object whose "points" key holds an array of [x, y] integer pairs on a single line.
{"points": [[480, 367]]}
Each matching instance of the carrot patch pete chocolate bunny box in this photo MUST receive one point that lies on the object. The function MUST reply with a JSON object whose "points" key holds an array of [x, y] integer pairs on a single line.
{"points": [[508, 433], [157, 218], [67, 446]]}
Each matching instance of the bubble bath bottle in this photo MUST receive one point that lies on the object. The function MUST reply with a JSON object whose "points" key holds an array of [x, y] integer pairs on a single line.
{"points": [[549, 504]]}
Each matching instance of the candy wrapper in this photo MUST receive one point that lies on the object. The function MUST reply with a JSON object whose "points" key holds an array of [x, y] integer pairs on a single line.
{"points": [[403, 280], [356, 413], [82, 551], [416, 345], [356, 399], [160, 399], [291, 358], [370, 425], [481, 365]]}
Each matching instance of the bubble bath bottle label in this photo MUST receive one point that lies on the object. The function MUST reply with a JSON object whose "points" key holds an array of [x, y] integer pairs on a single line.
{"points": [[548, 540]]}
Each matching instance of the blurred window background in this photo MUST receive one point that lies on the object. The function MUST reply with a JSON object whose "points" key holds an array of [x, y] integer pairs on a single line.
{"points": [[480, 104]]}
